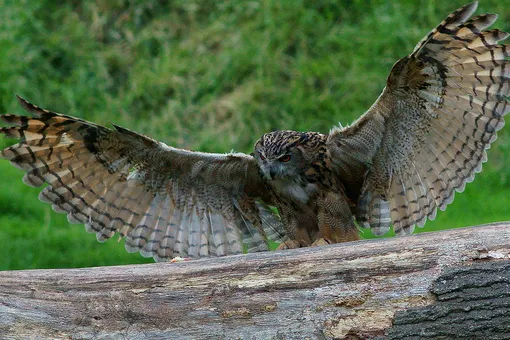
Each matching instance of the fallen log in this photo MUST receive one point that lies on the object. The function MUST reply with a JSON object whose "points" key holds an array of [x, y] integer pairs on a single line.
{"points": [[449, 284]]}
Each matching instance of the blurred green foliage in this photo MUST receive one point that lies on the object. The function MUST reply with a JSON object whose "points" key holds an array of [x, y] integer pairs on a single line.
{"points": [[210, 76]]}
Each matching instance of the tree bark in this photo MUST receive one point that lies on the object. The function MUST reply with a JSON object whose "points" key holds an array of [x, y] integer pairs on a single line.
{"points": [[449, 284]]}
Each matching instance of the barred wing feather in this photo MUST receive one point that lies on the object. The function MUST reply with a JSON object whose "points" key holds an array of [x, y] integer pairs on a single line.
{"points": [[427, 134], [167, 202]]}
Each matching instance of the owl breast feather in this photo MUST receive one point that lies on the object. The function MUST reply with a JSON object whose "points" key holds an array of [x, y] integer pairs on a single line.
{"points": [[293, 190]]}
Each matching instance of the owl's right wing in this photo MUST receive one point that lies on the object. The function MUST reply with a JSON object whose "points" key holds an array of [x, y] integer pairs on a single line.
{"points": [[427, 134], [167, 202]]}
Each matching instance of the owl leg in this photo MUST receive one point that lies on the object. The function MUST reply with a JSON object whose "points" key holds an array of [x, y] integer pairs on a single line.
{"points": [[299, 237], [297, 226], [335, 220]]}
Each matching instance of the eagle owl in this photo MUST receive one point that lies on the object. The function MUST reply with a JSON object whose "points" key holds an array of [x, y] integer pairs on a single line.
{"points": [[422, 140]]}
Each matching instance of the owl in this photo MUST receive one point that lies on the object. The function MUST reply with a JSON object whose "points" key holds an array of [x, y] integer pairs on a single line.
{"points": [[423, 139]]}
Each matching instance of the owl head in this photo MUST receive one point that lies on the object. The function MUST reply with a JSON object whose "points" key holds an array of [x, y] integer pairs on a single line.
{"points": [[279, 155]]}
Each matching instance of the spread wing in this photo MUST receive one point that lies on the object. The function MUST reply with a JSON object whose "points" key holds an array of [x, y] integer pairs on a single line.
{"points": [[427, 134], [167, 202]]}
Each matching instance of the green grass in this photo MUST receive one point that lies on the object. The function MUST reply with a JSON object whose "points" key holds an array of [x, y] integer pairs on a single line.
{"points": [[210, 76]]}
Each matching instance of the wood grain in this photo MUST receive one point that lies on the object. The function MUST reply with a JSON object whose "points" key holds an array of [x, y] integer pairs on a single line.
{"points": [[349, 290]]}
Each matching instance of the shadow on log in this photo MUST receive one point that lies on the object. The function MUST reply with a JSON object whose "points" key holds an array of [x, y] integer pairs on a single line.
{"points": [[450, 284]]}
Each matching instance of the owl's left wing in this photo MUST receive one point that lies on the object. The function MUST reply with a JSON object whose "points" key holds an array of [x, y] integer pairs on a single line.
{"points": [[167, 202], [427, 134]]}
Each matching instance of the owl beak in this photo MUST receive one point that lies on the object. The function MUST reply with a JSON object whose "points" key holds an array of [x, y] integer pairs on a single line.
{"points": [[273, 172], [269, 173]]}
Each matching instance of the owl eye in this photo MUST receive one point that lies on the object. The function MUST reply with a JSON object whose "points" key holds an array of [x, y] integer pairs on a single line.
{"points": [[284, 159]]}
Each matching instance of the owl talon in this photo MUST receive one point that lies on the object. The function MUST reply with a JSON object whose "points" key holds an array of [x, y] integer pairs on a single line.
{"points": [[290, 244], [321, 242]]}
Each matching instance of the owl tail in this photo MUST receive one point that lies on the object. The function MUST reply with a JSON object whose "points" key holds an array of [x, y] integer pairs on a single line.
{"points": [[460, 78]]}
